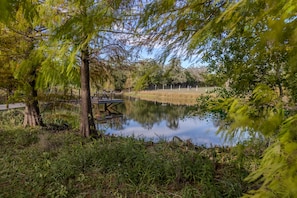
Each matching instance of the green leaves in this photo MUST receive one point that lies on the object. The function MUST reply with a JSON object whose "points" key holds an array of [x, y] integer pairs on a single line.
{"points": [[256, 55], [4, 10], [263, 113], [264, 95], [278, 166]]}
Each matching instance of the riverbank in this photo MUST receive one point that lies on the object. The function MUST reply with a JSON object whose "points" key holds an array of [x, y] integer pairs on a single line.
{"points": [[43, 163], [172, 96]]}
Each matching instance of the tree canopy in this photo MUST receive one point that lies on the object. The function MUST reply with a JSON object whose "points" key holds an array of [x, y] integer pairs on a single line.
{"points": [[252, 46], [248, 44]]}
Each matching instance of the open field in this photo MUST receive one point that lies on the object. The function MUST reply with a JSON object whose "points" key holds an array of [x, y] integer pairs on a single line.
{"points": [[174, 96]]}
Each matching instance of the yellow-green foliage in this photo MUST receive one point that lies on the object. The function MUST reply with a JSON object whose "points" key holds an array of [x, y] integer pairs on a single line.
{"points": [[278, 169], [263, 113]]}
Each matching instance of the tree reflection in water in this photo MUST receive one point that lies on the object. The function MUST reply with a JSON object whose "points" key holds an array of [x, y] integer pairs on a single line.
{"points": [[152, 120]]}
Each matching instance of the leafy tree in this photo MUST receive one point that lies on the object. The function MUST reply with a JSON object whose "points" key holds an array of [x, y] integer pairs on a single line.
{"points": [[151, 74], [264, 62], [4, 9], [212, 80], [174, 73], [80, 28], [8, 82], [119, 79], [196, 75], [129, 80], [190, 78], [253, 44], [25, 49], [19, 46], [8, 9], [265, 112], [147, 73], [181, 28]]}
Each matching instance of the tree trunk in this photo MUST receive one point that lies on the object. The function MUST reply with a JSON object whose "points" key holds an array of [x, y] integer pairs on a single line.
{"points": [[87, 125], [32, 112], [32, 115]]}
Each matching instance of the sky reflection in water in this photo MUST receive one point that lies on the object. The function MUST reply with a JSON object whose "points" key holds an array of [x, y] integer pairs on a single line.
{"points": [[201, 132], [150, 121]]}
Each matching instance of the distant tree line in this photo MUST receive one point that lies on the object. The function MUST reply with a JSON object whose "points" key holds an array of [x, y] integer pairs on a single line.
{"points": [[151, 74]]}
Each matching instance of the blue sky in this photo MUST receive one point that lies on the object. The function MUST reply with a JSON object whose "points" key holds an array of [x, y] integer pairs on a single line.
{"points": [[185, 63]]}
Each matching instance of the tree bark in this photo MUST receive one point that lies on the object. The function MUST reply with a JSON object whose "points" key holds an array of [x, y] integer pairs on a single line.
{"points": [[87, 125], [32, 115], [32, 112]]}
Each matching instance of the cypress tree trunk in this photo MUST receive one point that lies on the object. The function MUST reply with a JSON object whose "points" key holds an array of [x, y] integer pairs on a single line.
{"points": [[87, 125], [32, 115], [32, 112]]}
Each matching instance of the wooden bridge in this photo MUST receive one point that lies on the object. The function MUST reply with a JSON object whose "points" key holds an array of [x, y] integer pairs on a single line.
{"points": [[107, 102]]}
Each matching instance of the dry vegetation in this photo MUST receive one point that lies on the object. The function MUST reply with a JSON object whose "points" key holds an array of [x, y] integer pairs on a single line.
{"points": [[174, 96]]}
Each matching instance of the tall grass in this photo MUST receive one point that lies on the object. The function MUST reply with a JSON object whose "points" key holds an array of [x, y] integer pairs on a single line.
{"points": [[46, 163], [61, 113], [11, 118], [38, 163], [52, 114], [172, 96]]}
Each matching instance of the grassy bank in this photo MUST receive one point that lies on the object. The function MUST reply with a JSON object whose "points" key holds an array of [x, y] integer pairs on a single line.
{"points": [[174, 96], [40, 163], [58, 162]]}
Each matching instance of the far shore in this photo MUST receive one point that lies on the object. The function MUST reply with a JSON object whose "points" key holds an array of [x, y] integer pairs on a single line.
{"points": [[172, 96]]}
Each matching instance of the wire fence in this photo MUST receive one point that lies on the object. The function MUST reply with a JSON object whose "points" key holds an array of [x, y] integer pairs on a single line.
{"points": [[180, 88]]}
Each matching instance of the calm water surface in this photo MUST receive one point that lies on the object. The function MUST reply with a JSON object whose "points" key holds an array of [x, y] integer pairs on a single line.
{"points": [[155, 121]]}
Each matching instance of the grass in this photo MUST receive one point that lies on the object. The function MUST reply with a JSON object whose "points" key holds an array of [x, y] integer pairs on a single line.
{"points": [[173, 96], [45, 163], [70, 166]]}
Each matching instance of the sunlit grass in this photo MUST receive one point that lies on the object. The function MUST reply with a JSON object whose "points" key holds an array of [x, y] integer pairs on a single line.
{"points": [[185, 96]]}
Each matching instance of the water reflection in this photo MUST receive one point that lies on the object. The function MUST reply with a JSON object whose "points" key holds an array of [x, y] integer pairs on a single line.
{"points": [[152, 121]]}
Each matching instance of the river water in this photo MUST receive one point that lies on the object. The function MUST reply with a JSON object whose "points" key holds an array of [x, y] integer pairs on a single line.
{"points": [[156, 121]]}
